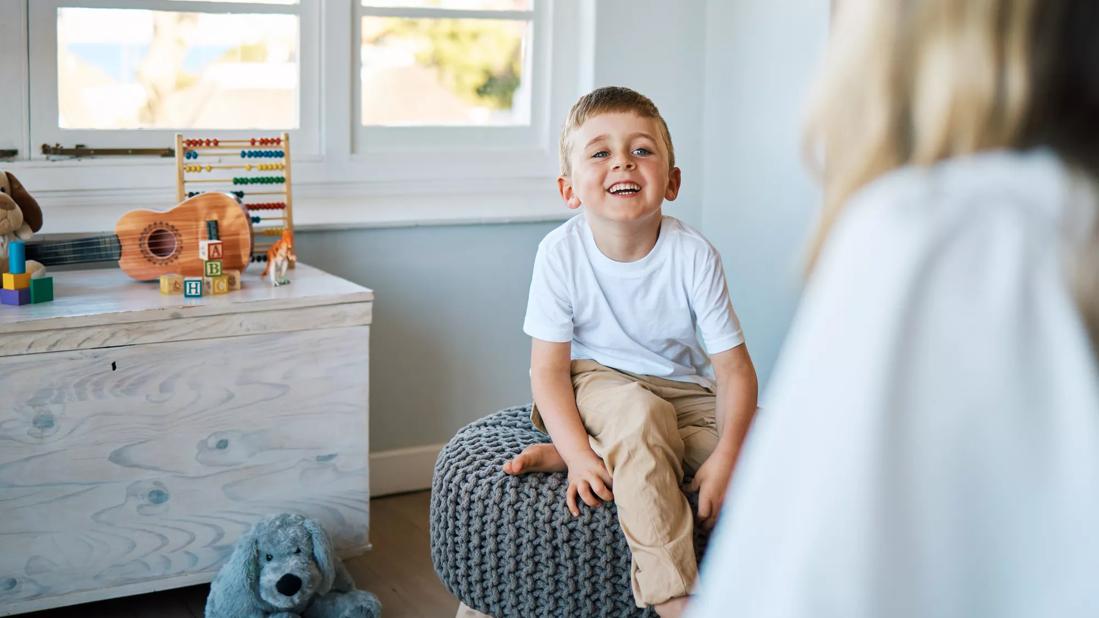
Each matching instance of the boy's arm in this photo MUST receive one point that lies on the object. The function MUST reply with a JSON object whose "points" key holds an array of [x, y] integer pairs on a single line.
{"points": [[551, 384], [737, 394]]}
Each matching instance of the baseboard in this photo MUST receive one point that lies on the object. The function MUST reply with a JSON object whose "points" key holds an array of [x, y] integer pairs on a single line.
{"points": [[403, 469]]}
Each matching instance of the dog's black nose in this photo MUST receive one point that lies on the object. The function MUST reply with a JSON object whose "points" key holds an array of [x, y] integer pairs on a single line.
{"points": [[288, 584]]}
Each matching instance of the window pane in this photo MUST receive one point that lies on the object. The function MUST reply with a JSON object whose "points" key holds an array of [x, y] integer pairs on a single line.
{"points": [[468, 5], [445, 71], [140, 69]]}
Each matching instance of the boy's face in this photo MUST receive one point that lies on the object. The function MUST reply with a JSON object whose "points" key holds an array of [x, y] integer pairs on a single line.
{"points": [[620, 169]]}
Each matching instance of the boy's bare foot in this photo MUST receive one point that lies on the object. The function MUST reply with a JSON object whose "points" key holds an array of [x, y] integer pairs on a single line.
{"points": [[536, 458], [672, 608]]}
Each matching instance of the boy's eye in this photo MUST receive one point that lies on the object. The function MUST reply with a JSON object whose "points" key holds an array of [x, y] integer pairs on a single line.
{"points": [[642, 152], [601, 154]]}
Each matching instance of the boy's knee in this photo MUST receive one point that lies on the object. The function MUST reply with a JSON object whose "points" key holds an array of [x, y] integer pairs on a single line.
{"points": [[650, 419]]}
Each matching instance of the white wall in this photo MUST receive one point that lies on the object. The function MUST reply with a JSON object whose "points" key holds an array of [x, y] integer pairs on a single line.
{"points": [[657, 47], [758, 200]]}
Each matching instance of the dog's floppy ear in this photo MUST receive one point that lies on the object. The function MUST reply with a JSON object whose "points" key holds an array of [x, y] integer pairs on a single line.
{"points": [[322, 553], [242, 570], [32, 212]]}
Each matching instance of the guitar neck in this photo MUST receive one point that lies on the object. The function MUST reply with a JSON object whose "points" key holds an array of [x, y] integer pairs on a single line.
{"points": [[105, 248]]}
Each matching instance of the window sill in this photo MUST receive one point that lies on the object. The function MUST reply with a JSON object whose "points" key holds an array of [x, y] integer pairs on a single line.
{"points": [[330, 206]]}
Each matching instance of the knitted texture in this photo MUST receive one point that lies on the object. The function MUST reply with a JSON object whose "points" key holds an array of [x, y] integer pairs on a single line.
{"points": [[508, 546]]}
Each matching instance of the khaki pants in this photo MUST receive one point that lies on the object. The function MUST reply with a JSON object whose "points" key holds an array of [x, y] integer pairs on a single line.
{"points": [[648, 430]]}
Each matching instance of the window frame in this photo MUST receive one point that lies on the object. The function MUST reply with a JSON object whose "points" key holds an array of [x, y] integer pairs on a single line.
{"points": [[42, 21], [15, 104]]}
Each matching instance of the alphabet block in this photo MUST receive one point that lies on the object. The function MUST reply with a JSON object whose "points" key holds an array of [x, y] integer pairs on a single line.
{"points": [[171, 284], [192, 287]]}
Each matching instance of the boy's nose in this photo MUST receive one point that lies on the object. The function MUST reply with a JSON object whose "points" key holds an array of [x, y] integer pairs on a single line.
{"points": [[624, 163]]}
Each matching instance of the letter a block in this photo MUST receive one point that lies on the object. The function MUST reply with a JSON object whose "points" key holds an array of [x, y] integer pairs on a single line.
{"points": [[210, 249]]}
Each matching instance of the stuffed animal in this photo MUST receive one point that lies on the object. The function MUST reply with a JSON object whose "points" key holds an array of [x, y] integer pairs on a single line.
{"points": [[284, 567], [20, 218]]}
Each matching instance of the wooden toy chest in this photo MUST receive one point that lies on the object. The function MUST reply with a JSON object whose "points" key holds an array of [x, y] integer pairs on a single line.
{"points": [[142, 434]]}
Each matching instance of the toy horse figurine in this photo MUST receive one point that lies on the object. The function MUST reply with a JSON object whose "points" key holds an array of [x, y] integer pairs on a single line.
{"points": [[279, 257]]}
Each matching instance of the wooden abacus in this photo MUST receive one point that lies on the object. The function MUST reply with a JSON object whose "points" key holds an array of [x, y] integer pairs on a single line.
{"points": [[263, 161]]}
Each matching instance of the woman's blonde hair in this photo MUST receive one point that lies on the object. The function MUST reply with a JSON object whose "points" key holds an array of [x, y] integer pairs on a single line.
{"points": [[914, 82]]}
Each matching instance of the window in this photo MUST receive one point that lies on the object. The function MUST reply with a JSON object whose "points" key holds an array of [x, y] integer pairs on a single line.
{"points": [[134, 73], [399, 110], [450, 74]]}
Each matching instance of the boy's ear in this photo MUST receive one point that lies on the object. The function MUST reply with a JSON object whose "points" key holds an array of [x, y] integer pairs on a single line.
{"points": [[675, 179], [564, 187]]}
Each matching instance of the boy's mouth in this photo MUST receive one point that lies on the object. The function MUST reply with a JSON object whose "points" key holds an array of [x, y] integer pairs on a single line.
{"points": [[624, 188]]}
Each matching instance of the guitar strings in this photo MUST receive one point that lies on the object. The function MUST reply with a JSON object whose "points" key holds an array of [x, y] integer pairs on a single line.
{"points": [[109, 246]]}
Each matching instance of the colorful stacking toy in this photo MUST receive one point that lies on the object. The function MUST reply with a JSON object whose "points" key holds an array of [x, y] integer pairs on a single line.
{"points": [[19, 288]]}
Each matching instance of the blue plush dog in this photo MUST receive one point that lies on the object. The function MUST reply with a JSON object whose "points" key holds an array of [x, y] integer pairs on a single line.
{"points": [[284, 567]]}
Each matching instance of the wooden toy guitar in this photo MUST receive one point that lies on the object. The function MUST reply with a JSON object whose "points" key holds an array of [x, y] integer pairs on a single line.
{"points": [[148, 243]]}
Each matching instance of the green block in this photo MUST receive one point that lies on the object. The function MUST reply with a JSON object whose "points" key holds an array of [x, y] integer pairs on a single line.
{"points": [[41, 290], [213, 268]]}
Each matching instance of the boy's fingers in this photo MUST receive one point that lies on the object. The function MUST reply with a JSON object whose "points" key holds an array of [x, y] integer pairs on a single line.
{"points": [[695, 484], [570, 500], [602, 491], [588, 496], [703, 508]]}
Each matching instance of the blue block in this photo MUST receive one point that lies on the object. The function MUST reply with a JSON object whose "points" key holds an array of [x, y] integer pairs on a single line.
{"points": [[17, 257], [16, 297]]}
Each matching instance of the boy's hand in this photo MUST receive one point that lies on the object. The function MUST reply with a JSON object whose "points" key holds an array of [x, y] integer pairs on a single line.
{"points": [[588, 478], [710, 482]]}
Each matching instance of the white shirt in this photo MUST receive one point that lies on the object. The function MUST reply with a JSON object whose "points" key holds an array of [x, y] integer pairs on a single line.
{"points": [[931, 446], [639, 316]]}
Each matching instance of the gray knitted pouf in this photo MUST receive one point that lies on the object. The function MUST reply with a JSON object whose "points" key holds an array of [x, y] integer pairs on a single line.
{"points": [[508, 546]]}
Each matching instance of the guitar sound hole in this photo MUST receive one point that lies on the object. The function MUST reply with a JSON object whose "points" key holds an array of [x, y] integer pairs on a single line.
{"points": [[162, 243]]}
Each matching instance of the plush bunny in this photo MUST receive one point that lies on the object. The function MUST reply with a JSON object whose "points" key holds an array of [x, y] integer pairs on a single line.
{"points": [[284, 567], [20, 218]]}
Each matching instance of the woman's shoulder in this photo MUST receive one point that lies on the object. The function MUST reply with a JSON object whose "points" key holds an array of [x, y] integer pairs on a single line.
{"points": [[963, 191]]}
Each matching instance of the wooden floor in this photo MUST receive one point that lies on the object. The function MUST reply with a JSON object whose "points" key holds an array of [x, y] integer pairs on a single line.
{"points": [[398, 570]]}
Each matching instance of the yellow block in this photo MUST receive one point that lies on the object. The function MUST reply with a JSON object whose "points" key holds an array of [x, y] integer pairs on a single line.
{"points": [[171, 284], [17, 282], [234, 279], [217, 285]]}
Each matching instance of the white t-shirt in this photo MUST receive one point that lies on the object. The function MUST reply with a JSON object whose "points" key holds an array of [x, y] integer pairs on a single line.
{"points": [[930, 445], [646, 316]]}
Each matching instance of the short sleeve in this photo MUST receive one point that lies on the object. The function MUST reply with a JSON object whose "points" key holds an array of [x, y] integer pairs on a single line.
{"points": [[718, 325], [549, 308]]}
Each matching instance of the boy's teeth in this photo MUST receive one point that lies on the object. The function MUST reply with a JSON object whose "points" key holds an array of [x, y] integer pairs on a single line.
{"points": [[622, 187]]}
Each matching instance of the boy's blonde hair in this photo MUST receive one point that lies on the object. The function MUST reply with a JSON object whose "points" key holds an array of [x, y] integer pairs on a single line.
{"points": [[607, 100], [914, 82]]}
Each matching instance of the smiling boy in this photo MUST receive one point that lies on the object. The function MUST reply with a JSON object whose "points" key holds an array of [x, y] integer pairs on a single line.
{"points": [[628, 312]]}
